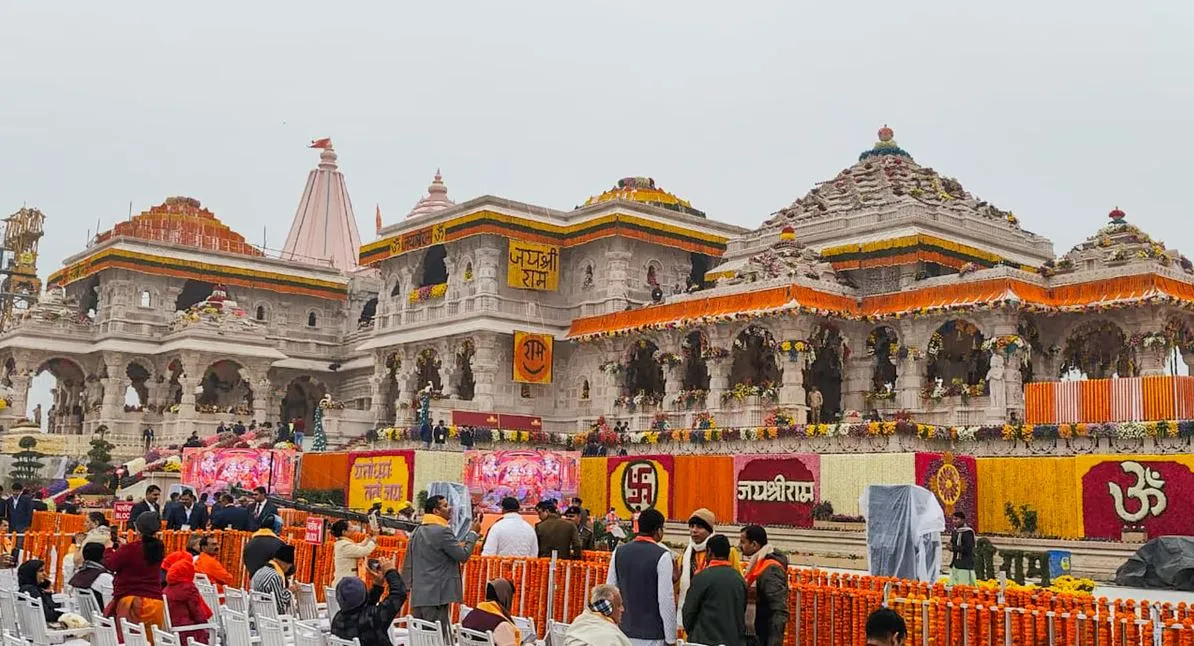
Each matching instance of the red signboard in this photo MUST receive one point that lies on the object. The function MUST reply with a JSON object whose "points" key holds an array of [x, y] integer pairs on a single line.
{"points": [[122, 510], [777, 491], [1153, 494], [494, 420], [521, 422], [314, 531]]}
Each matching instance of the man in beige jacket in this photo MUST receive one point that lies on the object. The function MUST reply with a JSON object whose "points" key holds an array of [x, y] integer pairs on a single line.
{"points": [[347, 553]]}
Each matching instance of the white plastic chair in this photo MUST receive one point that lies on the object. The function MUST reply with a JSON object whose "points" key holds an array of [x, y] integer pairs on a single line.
{"points": [[556, 632], [163, 638], [36, 631], [211, 628], [236, 600], [12, 640], [466, 637], [8, 613], [236, 628], [336, 641], [526, 625], [105, 632], [329, 595], [424, 633], [87, 605], [134, 634], [308, 633], [684, 643], [270, 631], [263, 605], [305, 605], [212, 598]]}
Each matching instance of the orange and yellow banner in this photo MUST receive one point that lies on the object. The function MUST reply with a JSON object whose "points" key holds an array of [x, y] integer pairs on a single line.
{"points": [[533, 266], [532, 358], [640, 482], [384, 475]]}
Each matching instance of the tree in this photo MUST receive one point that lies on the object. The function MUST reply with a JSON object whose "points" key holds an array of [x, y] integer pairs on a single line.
{"points": [[321, 437], [99, 462], [26, 463]]}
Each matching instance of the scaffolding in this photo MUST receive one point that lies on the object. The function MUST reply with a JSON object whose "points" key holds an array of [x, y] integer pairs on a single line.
{"points": [[19, 285]]}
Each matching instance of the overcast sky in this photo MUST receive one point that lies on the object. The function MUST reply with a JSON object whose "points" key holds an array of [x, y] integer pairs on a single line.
{"points": [[1057, 111]]}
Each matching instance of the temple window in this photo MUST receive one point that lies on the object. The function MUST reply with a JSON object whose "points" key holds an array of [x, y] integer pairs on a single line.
{"points": [[652, 278], [193, 292], [696, 369], [883, 345], [312, 319], [588, 278], [367, 313], [584, 390], [397, 289], [644, 374], [146, 299], [825, 371], [427, 367], [435, 270], [754, 371], [466, 387], [956, 360], [700, 267], [1097, 350], [260, 314]]}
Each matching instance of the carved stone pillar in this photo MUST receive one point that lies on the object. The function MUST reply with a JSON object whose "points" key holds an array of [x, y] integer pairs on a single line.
{"points": [[18, 405], [909, 382], [264, 399], [791, 392], [448, 377], [618, 274], [488, 265], [856, 383], [719, 381], [485, 369], [673, 384]]}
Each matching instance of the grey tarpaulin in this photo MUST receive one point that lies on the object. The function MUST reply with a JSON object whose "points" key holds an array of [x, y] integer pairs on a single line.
{"points": [[1166, 563], [903, 531], [462, 505]]}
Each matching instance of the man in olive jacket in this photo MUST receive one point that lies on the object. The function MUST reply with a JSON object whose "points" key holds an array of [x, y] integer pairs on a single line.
{"points": [[715, 608], [767, 588], [431, 567]]}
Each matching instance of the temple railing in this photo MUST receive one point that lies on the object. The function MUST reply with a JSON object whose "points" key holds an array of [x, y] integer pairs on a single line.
{"points": [[1126, 399]]}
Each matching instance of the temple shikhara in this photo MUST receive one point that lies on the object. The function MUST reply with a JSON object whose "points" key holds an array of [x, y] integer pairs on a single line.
{"points": [[887, 292]]}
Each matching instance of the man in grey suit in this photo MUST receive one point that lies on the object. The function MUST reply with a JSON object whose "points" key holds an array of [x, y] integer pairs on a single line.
{"points": [[431, 568]]}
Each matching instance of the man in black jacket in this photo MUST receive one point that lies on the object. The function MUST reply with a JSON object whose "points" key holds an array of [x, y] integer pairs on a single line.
{"points": [[186, 515], [361, 616], [231, 516], [961, 543], [767, 588], [263, 511], [152, 494]]}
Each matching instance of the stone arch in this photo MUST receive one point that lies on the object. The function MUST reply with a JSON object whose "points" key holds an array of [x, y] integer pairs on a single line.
{"points": [[955, 354], [644, 375], [396, 290], [261, 313], [696, 369], [368, 312], [224, 389], [753, 358], [435, 267], [427, 366], [68, 383], [826, 369], [466, 382], [1097, 349], [300, 401], [89, 300], [312, 319], [883, 345], [586, 271], [145, 298], [139, 372], [653, 273]]}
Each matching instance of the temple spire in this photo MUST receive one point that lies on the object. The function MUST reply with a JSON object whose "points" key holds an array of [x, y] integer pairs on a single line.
{"points": [[435, 200], [324, 229]]}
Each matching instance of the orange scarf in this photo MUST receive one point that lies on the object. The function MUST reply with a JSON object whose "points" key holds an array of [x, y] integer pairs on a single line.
{"points": [[756, 571]]}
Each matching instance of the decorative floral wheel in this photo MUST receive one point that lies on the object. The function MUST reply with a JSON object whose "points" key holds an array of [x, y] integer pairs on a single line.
{"points": [[947, 483]]}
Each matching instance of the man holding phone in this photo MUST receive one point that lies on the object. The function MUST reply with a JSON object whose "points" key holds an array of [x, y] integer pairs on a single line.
{"points": [[431, 568], [347, 553]]}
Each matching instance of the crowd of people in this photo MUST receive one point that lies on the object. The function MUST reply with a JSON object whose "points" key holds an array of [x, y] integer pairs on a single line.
{"points": [[717, 590]]}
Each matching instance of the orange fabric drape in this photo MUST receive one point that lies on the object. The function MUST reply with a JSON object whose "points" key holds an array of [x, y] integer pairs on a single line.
{"points": [[1096, 400], [704, 481], [323, 471], [1158, 397], [1040, 406]]}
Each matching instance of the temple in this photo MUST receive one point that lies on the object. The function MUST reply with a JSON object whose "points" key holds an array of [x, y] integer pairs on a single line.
{"points": [[888, 290]]}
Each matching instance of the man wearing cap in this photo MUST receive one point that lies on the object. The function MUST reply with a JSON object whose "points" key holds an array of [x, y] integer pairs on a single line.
{"points": [[696, 556], [272, 578]]}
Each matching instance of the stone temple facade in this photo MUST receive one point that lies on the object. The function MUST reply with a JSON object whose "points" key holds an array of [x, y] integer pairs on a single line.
{"points": [[889, 289]]}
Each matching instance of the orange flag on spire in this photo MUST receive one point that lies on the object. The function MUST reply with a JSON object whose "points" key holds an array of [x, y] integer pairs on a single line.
{"points": [[377, 219], [324, 143]]}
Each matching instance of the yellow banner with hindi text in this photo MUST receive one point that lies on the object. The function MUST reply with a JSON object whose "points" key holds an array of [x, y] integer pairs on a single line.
{"points": [[533, 266]]}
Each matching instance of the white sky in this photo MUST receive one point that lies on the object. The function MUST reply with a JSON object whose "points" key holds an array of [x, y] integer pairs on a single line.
{"points": [[1057, 111]]}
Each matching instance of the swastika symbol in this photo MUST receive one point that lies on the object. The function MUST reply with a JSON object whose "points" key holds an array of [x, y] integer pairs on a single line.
{"points": [[640, 485]]}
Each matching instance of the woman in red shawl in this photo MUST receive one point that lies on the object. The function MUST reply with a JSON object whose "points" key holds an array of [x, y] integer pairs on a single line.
{"points": [[137, 577], [187, 607]]}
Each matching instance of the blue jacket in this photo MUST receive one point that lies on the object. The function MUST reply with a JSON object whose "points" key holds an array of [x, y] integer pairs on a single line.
{"points": [[176, 517], [19, 511], [233, 517]]}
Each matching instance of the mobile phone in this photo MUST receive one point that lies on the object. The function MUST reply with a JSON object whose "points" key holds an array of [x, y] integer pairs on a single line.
{"points": [[374, 565]]}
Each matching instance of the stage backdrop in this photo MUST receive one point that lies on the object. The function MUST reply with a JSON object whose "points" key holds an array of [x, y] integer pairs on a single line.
{"points": [[1046, 484], [1152, 491], [388, 475], [703, 481], [214, 470], [776, 490], [528, 475], [845, 476], [640, 481], [953, 479]]}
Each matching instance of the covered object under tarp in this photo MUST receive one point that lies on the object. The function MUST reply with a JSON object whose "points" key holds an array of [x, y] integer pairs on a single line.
{"points": [[903, 531], [1165, 563]]}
